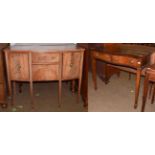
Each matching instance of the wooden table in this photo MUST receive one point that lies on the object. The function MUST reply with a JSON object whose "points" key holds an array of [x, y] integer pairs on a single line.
{"points": [[48, 61], [132, 59], [150, 77]]}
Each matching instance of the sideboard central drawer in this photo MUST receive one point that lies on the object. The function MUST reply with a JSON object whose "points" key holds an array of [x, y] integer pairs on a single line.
{"points": [[45, 57]]}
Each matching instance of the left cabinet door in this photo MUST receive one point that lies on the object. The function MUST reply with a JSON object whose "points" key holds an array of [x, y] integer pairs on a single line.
{"points": [[18, 66]]}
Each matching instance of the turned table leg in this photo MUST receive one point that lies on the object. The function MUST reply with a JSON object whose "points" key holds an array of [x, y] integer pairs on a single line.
{"points": [[138, 78]]}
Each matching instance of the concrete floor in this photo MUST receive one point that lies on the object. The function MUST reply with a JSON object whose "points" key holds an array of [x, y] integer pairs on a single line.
{"points": [[117, 96], [46, 99]]}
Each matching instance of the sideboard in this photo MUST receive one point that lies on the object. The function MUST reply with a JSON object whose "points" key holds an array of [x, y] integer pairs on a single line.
{"points": [[28, 63]]}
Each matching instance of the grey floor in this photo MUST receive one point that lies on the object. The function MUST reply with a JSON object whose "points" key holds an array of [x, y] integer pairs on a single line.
{"points": [[117, 96], [46, 99]]}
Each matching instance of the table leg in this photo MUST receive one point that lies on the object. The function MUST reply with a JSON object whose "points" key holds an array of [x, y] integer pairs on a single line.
{"points": [[73, 86], [138, 78], [94, 71], [152, 100], [60, 92], [31, 94], [20, 87], [151, 88], [145, 90]]}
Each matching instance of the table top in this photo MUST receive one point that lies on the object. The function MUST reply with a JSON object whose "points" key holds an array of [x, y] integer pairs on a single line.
{"points": [[129, 52], [48, 47]]}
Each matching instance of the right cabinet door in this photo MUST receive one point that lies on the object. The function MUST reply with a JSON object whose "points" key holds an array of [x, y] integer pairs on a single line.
{"points": [[71, 65]]}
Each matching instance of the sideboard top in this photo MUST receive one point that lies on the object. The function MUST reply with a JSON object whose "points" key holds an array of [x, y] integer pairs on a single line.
{"points": [[44, 47]]}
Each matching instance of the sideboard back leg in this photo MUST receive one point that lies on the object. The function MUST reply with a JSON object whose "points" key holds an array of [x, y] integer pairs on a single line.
{"points": [[14, 93]]}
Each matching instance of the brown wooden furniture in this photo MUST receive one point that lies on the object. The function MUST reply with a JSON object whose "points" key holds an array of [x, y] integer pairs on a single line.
{"points": [[2, 77], [44, 63], [134, 59], [150, 77]]}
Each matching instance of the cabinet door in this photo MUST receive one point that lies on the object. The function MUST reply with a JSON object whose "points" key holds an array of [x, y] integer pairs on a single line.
{"points": [[71, 65], [19, 66]]}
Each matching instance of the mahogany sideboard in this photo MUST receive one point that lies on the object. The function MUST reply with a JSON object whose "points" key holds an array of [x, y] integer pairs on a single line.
{"points": [[44, 63]]}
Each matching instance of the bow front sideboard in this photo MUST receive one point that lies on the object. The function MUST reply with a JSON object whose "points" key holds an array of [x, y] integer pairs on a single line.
{"points": [[44, 63]]}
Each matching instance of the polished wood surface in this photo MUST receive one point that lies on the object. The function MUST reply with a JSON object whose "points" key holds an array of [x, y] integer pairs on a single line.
{"points": [[136, 60], [44, 63]]}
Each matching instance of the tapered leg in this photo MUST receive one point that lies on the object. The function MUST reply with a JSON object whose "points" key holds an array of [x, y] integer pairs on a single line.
{"points": [[138, 78], [20, 87], [31, 94], [73, 86], [14, 93], [31, 80], [150, 90], [10, 89], [94, 71], [79, 90], [152, 100], [60, 93], [145, 90]]}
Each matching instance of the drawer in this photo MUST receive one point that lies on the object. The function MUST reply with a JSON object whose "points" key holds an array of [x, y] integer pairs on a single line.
{"points": [[126, 61], [45, 72], [45, 57], [102, 56], [71, 65]]}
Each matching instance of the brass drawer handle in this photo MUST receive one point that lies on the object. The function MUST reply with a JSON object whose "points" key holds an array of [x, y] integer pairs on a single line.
{"points": [[18, 66], [71, 65]]}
